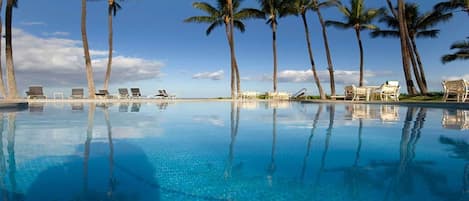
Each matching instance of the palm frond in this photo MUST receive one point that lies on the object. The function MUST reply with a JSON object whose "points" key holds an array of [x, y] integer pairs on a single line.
{"points": [[385, 33], [428, 33], [460, 45], [432, 19], [213, 26], [368, 26], [327, 4], [209, 9], [337, 24], [249, 13], [201, 19], [239, 25]]}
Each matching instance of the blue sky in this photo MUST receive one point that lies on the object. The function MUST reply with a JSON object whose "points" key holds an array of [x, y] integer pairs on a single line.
{"points": [[155, 49]]}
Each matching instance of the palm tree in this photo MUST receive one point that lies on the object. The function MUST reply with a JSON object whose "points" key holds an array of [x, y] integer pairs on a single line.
{"points": [[419, 26], [273, 9], [220, 15], [2, 85], [316, 7], [451, 5], [404, 44], [300, 7], [113, 6], [359, 18], [11, 80], [462, 52], [86, 49]]}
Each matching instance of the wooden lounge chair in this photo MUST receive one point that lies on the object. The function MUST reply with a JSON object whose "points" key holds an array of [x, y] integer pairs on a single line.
{"points": [[455, 90], [359, 93], [102, 93], [135, 92], [77, 93], [35, 92], [123, 93], [389, 91]]}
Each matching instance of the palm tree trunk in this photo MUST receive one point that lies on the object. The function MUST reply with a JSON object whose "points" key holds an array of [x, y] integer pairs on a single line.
{"points": [[404, 49], [311, 58], [109, 61], [2, 84], [423, 78], [414, 66], [233, 72], [233, 55], [328, 53], [274, 47], [11, 80], [89, 69], [360, 45]]}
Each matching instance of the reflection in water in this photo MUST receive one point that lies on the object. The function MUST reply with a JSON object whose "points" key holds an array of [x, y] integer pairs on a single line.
{"points": [[89, 137], [234, 125], [36, 107], [123, 107], [77, 106], [112, 181], [322, 166], [271, 168], [459, 150], [310, 140], [135, 107], [455, 119]]}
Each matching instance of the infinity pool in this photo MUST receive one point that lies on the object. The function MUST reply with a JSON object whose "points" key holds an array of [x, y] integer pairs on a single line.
{"points": [[234, 151]]}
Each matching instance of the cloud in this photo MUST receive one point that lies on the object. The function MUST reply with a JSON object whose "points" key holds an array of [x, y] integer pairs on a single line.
{"points": [[306, 76], [57, 33], [59, 62], [210, 119], [32, 23], [218, 75]]}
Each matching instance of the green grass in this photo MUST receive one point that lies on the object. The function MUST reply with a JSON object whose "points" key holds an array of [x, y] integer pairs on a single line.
{"points": [[430, 97]]}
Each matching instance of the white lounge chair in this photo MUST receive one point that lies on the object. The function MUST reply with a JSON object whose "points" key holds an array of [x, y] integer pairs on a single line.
{"points": [[359, 93], [455, 90], [389, 91]]}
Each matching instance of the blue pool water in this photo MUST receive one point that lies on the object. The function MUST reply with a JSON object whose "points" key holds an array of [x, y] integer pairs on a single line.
{"points": [[234, 151]]}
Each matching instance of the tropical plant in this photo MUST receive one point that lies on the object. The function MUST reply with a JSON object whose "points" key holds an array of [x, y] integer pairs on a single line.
{"points": [[220, 15], [359, 18], [2, 84], [86, 49], [113, 6], [300, 7], [11, 79], [316, 7], [418, 26], [404, 39], [452, 5], [274, 9], [462, 52]]}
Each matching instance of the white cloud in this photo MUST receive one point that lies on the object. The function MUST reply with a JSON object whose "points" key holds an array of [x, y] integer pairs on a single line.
{"points": [[32, 23], [218, 75], [304, 76], [59, 62], [57, 33]]}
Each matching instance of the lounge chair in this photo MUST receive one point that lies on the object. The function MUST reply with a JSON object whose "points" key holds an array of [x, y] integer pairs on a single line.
{"points": [[455, 90], [299, 94], [103, 93], [359, 93], [135, 92], [164, 94], [123, 93], [389, 91], [35, 92], [77, 93]]}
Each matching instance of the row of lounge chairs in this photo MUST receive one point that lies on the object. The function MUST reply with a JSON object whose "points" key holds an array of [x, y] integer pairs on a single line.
{"points": [[36, 92]]}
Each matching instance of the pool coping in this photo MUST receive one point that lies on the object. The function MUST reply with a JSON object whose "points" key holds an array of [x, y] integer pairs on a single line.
{"points": [[20, 104]]}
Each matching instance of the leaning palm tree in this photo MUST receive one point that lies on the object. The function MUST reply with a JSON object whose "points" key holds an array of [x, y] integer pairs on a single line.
{"points": [[462, 52], [316, 7], [113, 6], [452, 5], [358, 18], [273, 9], [300, 7], [2, 85], [220, 15], [11, 80], [419, 26], [86, 49]]}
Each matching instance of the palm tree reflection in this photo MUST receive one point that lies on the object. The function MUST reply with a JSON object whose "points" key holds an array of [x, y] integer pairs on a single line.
{"points": [[460, 150], [89, 137], [310, 140], [234, 125], [326, 144], [271, 168], [112, 181], [2, 162]]}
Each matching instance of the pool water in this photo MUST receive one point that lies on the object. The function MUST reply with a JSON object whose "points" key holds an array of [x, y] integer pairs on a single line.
{"points": [[234, 151]]}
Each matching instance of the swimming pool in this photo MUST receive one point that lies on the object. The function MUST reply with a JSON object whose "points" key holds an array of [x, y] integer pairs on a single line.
{"points": [[234, 151]]}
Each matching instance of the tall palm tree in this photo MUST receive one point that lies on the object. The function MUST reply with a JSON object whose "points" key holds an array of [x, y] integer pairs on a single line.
{"points": [[300, 7], [316, 7], [403, 33], [462, 52], [113, 6], [419, 26], [273, 9], [11, 80], [86, 49], [452, 5], [2, 84], [358, 18], [220, 15]]}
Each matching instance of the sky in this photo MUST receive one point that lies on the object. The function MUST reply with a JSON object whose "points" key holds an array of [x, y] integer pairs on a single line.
{"points": [[154, 49]]}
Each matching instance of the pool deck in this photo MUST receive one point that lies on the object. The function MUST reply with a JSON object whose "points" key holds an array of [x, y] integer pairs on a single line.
{"points": [[21, 104]]}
